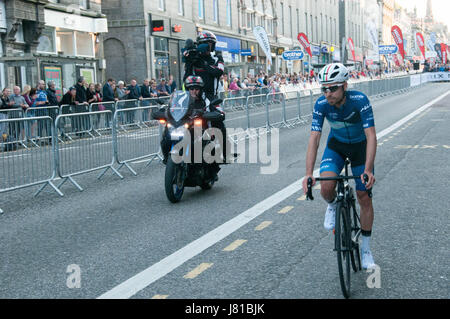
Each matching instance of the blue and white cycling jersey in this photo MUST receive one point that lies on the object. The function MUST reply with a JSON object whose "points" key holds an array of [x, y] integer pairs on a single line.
{"points": [[347, 122]]}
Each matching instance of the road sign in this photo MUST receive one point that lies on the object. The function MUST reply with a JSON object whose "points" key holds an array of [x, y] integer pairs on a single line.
{"points": [[292, 55], [387, 49]]}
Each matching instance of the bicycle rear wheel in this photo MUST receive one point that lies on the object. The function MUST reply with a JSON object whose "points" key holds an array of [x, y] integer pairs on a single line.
{"points": [[343, 247]]}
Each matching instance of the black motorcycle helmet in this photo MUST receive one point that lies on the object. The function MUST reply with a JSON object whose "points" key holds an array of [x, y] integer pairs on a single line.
{"points": [[207, 37], [194, 81]]}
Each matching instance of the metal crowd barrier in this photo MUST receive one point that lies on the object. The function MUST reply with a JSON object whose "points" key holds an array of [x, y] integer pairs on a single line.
{"points": [[85, 154], [26, 160], [24, 167], [141, 143]]}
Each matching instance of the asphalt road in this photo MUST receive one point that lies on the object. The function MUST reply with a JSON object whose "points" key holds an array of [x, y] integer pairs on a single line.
{"points": [[116, 229]]}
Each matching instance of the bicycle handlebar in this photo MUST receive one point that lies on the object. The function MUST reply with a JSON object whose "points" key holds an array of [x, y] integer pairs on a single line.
{"points": [[335, 178]]}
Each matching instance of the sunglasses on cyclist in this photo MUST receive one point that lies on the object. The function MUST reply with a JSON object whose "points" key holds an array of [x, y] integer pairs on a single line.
{"points": [[194, 88], [330, 89]]}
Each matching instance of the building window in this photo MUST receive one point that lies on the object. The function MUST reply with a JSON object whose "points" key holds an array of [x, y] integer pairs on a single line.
{"points": [[229, 13], [85, 44], [282, 17], [306, 23], [47, 41], [215, 12], [162, 5], [64, 42], [181, 7], [201, 9], [290, 21], [84, 4]]}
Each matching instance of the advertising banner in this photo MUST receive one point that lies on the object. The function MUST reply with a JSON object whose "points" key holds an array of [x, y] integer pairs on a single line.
{"points": [[292, 55], [444, 53], [303, 39], [351, 47], [437, 48], [398, 38], [387, 49], [54, 73], [261, 36], [420, 43]]}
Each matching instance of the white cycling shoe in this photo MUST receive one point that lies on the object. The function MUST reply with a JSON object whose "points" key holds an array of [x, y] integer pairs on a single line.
{"points": [[367, 259], [330, 217]]}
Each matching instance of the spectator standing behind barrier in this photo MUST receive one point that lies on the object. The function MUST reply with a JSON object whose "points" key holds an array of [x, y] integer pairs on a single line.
{"points": [[121, 92], [153, 90], [67, 99], [145, 92], [51, 94], [90, 94], [163, 89], [134, 94], [3, 126], [19, 100], [81, 122], [26, 95], [108, 92], [172, 84]]}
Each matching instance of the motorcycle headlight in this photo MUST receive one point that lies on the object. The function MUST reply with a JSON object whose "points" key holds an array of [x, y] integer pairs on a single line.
{"points": [[177, 133]]}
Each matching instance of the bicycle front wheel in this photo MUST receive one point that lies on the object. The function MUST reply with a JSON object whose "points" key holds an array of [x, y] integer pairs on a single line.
{"points": [[343, 246]]}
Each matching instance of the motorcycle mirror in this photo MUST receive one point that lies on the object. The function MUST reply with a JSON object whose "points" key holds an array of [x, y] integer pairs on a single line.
{"points": [[216, 102]]}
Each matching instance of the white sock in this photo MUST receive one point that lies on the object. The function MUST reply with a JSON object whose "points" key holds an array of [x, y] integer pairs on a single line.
{"points": [[365, 243], [333, 203]]}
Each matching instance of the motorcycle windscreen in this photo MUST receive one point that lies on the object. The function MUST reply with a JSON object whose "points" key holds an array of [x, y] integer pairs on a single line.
{"points": [[179, 105]]}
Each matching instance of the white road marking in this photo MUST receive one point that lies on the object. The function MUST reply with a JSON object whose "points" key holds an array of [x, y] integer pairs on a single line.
{"points": [[158, 270]]}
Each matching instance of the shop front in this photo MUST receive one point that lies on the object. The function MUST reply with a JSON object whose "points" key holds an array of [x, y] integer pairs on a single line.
{"points": [[168, 37], [65, 47]]}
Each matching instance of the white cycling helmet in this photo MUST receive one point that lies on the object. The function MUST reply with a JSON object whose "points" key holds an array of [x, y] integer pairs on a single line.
{"points": [[333, 73]]}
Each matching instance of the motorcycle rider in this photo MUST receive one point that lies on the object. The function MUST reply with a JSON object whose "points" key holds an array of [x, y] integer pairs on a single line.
{"points": [[210, 67], [194, 84]]}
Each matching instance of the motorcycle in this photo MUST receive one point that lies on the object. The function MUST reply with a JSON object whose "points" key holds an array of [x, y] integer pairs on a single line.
{"points": [[184, 123]]}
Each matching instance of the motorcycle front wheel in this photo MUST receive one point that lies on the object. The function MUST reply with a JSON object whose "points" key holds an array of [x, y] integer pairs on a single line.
{"points": [[173, 180]]}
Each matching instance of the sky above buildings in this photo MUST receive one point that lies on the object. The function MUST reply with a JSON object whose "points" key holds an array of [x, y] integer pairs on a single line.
{"points": [[440, 9]]}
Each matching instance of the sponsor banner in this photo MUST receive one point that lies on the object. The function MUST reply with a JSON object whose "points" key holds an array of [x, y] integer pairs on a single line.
{"points": [[435, 76], [398, 38], [437, 48], [261, 36], [420, 43], [292, 55], [396, 60], [444, 53], [303, 39], [387, 49], [351, 47], [228, 44], [415, 79]]}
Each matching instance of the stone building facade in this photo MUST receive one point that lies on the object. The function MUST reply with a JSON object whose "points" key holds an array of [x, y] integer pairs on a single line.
{"points": [[145, 36], [55, 40]]}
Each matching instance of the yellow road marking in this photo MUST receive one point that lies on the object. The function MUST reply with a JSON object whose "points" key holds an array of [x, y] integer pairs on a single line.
{"points": [[285, 209], [160, 296], [263, 225], [197, 270], [234, 245]]}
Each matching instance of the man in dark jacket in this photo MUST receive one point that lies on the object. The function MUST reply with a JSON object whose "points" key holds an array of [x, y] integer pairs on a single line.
{"points": [[81, 122], [108, 93], [52, 99]]}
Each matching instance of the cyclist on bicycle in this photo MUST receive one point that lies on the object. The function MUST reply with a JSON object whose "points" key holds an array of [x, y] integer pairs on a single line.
{"points": [[352, 136]]}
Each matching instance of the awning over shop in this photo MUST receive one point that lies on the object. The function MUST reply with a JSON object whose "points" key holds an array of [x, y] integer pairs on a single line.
{"points": [[75, 22]]}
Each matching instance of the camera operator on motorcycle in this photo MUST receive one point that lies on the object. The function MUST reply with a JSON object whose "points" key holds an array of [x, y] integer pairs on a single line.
{"points": [[203, 62]]}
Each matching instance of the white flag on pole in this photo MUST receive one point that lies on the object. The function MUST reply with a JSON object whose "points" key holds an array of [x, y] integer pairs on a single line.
{"points": [[261, 36]]}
